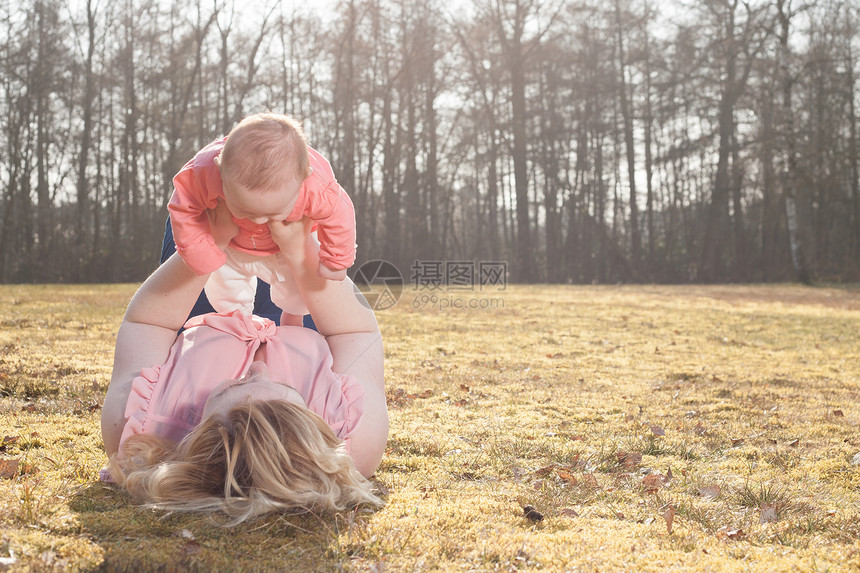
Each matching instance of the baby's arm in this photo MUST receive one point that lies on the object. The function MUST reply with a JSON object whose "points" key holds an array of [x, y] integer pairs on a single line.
{"points": [[329, 206], [196, 189]]}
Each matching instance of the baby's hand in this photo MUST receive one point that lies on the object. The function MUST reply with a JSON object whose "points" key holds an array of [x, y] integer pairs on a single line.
{"points": [[331, 274], [291, 237], [221, 224]]}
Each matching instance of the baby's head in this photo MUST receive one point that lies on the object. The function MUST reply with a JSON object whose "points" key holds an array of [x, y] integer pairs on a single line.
{"points": [[263, 164]]}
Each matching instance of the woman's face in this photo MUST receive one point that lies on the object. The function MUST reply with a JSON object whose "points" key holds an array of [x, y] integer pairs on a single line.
{"points": [[257, 385]]}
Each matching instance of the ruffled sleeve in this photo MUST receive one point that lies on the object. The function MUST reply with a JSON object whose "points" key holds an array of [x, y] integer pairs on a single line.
{"points": [[304, 358], [139, 398], [344, 405]]}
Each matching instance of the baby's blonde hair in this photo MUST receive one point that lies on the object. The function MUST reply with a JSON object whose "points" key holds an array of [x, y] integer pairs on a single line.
{"points": [[262, 150], [265, 456]]}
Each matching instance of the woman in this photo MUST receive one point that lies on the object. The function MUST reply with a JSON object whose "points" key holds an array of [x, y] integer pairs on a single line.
{"points": [[239, 415]]}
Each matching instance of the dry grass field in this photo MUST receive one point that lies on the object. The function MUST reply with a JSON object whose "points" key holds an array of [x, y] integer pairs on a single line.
{"points": [[560, 428]]}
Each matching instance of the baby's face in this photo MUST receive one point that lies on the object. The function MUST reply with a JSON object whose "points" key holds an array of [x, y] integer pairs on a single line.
{"points": [[261, 207]]}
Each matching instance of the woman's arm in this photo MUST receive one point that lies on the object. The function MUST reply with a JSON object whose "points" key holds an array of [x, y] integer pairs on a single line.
{"points": [[147, 332], [158, 309], [343, 316]]}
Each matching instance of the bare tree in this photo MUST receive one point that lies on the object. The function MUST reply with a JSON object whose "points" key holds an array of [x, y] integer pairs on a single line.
{"points": [[83, 225], [798, 255], [520, 26], [739, 39], [629, 145]]}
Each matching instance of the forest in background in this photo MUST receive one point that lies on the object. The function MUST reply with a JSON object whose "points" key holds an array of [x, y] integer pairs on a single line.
{"points": [[584, 141]]}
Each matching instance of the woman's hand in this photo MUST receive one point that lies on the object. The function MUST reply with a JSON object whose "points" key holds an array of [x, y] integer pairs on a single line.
{"points": [[221, 224]]}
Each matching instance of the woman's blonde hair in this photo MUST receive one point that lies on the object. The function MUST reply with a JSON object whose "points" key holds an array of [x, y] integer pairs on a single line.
{"points": [[265, 456], [261, 150]]}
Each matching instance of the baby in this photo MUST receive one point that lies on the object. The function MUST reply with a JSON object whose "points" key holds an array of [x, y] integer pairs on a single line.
{"points": [[264, 172]]}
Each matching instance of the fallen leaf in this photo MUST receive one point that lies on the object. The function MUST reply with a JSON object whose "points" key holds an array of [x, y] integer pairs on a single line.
{"points": [[629, 460], [669, 516], [658, 431], [855, 461], [544, 471], [793, 443], [533, 514], [768, 513], [653, 482], [8, 441], [730, 533], [191, 547], [9, 468], [566, 476], [737, 442], [669, 475], [838, 413], [710, 491], [464, 388], [568, 512], [589, 481]]}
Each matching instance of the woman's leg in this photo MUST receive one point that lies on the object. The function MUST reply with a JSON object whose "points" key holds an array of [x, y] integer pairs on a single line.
{"points": [[232, 286], [263, 305]]}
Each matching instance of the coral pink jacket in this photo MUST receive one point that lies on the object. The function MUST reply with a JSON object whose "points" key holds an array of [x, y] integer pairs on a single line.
{"points": [[197, 187]]}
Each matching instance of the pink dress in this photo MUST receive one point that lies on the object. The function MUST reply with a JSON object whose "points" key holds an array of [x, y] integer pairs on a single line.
{"points": [[197, 187], [168, 400]]}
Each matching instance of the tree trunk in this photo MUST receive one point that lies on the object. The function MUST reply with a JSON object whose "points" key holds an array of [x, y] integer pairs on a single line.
{"points": [[391, 197], [798, 255], [854, 153], [82, 228], [627, 118], [525, 268]]}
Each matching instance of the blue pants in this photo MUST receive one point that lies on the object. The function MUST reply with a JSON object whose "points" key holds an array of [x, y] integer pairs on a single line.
{"points": [[263, 305]]}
